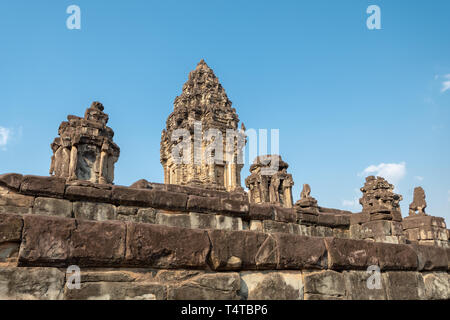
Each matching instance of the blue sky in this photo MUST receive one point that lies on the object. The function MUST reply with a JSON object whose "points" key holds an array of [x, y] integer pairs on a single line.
{"points": [[345, 99]]}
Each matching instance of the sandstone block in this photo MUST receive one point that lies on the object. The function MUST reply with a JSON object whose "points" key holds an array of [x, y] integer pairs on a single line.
{"points": [[285, 214], [160, 246], [300, 252], [98, 244], [202, 220], [10, 198], [169, 200], [43, 186], [94, 211], [357, 288], [117, 291], [402, 285], [261, 211], [31, 283], [350, 254], [132, 197], [203, 204], [430, 258], [437, 286], [396, 256], [11, 180], [228, 223], [88, 193], [173, 220], [271, 226], [10, 228], [209, 286], [232, 250], [286, 285], [53, 207], [234, 206], [327, 282]]}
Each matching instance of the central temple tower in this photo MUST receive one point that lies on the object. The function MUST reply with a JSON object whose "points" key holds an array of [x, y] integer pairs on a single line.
{"points": [[204, 113]]}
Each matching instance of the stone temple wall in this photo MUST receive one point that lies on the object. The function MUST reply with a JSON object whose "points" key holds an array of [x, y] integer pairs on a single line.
{"points": [[178, 242]]}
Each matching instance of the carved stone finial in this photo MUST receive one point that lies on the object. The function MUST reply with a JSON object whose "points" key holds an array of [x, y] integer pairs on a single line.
{"points": [[417, 207], [306, 192], [307, 204]]}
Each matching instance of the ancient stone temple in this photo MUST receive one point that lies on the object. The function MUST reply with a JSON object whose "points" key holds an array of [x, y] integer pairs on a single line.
{"points": [[207, 126], [379, 200], [85, 149], [273, 186]]}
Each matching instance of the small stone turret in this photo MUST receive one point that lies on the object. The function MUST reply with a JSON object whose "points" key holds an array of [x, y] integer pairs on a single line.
{"points": [[269, 181], [379, 200], [85, 149]]}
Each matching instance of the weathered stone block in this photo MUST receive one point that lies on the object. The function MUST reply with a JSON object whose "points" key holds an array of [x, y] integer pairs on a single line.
{"points": [[10, 228], [261, 211], [330, 283], [419, 221], [117, 291], [53, 207], [350, 254], [327, 219], [357, 286], [46, 241], [31, 283], [241, 250], [169, 200], [209, 286], [203, 204], [173, 220], [300, 252], [430, 258], [285, 214], [98, 244], [160, 246], [132, 197], [286, 285], [11, 180], [202, 220], [234, 206], [271, 226], [305, 218], [13, 199], [88, 193], [228, 223], [94, 211], [15, 210], [437, 286], [52, 241], [395, 256], [401, 285], [256, 225], [43, 186]]}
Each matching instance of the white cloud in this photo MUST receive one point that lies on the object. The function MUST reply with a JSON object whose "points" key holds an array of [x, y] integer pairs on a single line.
{"points": [[4, 136], [446, 83], [392, 172], [351, 203], [419, 178]]}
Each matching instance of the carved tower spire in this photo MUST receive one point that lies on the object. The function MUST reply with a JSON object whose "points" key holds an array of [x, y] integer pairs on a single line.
{"points": [[206, 125]]}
